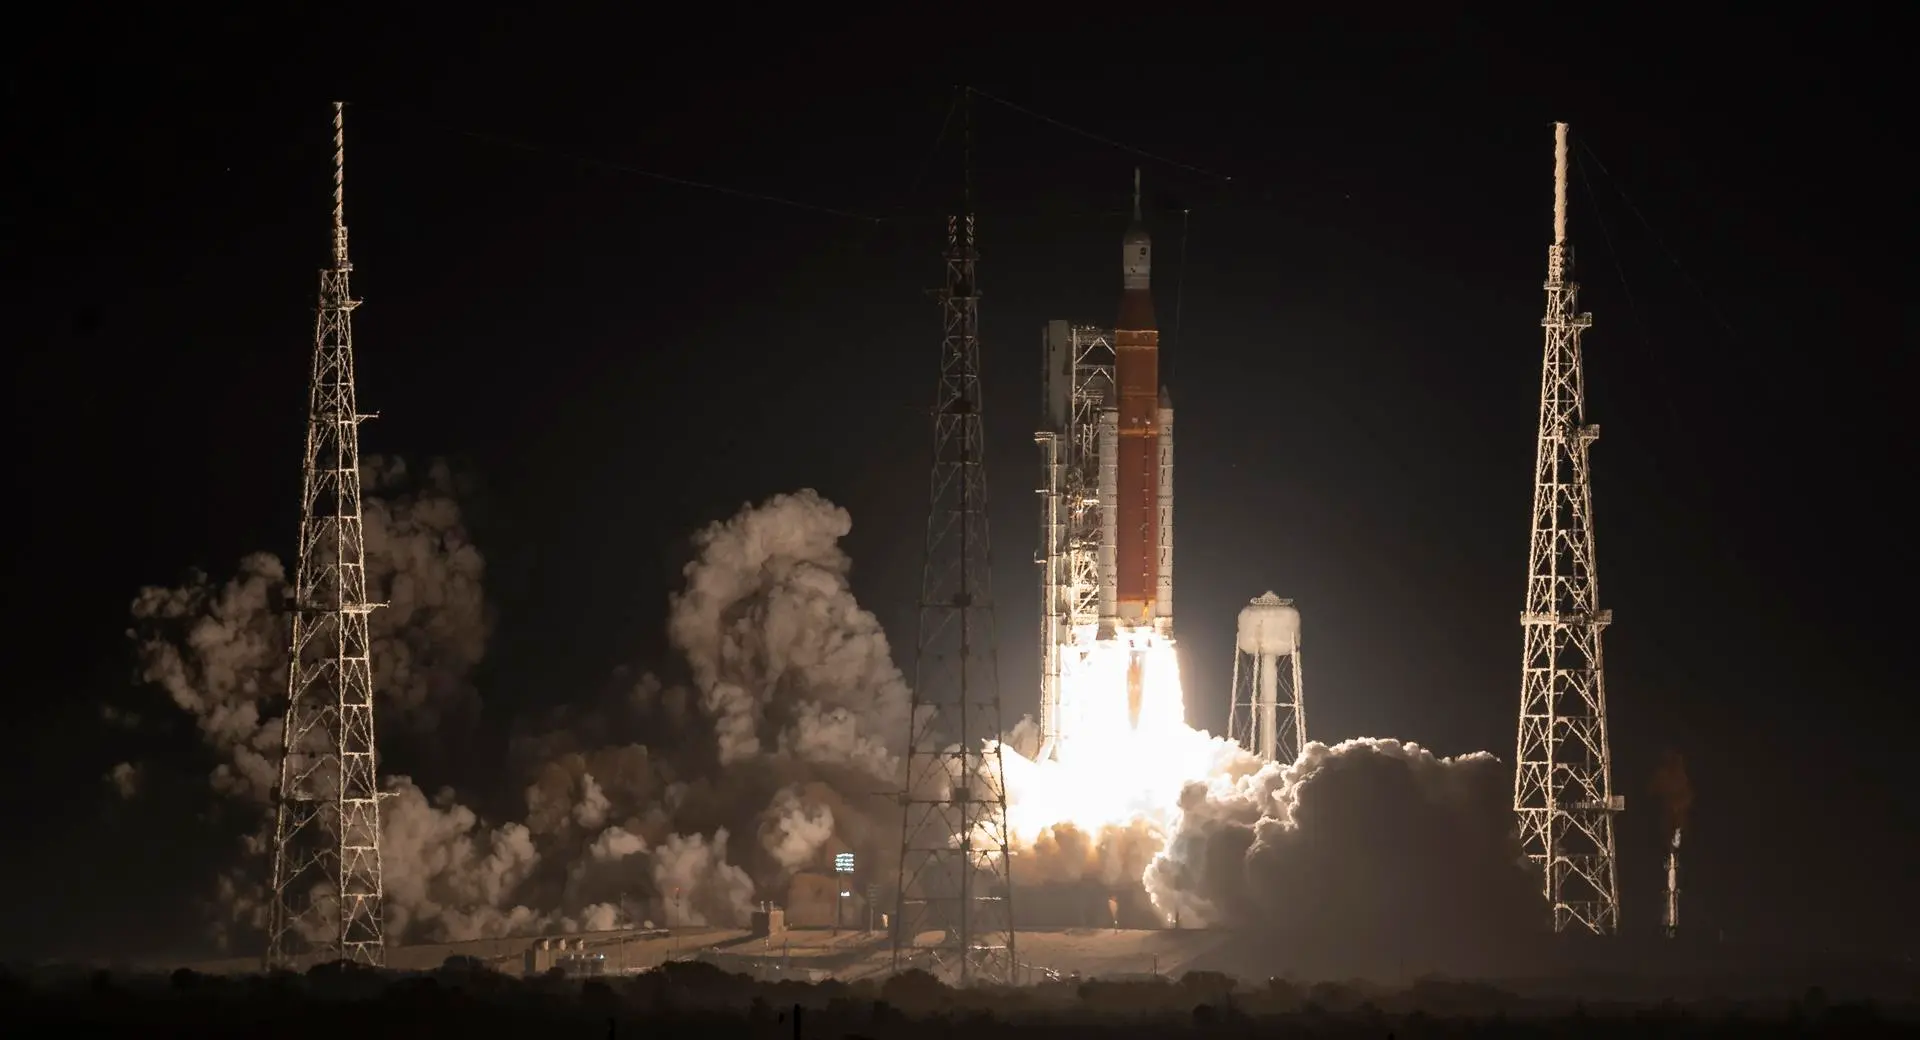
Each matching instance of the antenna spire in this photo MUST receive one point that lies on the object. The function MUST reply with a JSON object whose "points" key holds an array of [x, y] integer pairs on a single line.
{"points": [[340, 187], [966, 153], [328, 888], [1559, 184], [1563, 765]]}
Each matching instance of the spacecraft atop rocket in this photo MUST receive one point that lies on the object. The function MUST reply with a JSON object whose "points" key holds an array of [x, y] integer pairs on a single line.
{"points": [[1106, 443], [1139, 576]]}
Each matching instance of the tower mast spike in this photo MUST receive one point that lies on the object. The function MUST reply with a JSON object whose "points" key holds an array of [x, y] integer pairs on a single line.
{"points": [[1563, 772], [340, 186], [954, 894], [1559, 184], [327, 885]]}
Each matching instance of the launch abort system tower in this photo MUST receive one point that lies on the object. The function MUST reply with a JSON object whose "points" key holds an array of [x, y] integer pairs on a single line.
{"points": [[327, 889], [1563, 770], [1106, 447]]}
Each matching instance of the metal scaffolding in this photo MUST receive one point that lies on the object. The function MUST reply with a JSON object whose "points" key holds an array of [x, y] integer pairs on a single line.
{"points": [[326, 898], [955, 894], [1563, 775], [1076, 586]]}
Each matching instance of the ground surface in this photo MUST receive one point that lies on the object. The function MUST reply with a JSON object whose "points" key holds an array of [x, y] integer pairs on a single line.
{"points": [[848, 955]]}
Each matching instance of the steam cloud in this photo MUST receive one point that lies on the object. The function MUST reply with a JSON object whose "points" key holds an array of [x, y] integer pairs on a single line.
{"points": [[1372, 858], [680, 804], [763, 766], [219, 650]]}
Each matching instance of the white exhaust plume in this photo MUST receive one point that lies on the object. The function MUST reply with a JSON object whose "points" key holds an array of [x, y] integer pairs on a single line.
{"points": [[1368, 846]]}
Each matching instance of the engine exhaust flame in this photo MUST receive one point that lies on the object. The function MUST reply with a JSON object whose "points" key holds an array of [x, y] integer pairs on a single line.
{"points": [[1126, 751]]}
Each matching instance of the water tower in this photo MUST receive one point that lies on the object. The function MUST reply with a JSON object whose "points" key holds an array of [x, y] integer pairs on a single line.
{"points": [[1269, 716]]}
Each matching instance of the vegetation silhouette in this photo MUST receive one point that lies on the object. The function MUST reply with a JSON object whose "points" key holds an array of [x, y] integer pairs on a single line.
{"points": [[691, 998]]}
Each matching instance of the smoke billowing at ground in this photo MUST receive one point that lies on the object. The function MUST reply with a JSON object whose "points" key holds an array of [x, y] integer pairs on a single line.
{"points": [[1376, 855], [747, 776], [684, 803]]}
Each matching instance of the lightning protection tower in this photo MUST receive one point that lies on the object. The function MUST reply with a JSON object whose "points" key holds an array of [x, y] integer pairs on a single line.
{"points": [[1269, 715], [954, 910], [1563, 775], [326, 837]]}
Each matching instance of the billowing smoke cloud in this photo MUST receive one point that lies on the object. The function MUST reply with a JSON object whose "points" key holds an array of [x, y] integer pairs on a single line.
{"points": [[1068, 877], [781, 653], [681, 804], [1372, 857], [219, 650], [424, 567], [220, 654], [673, 804]]}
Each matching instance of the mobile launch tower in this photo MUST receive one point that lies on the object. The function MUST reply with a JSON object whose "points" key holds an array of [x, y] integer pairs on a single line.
{"points": [[1106, 517], [1563, 769]]}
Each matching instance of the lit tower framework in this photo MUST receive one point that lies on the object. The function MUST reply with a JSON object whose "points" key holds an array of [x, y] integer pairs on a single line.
{"points": [[1076, 553], [1269, 714], [326, 899], [1563, 776], [955, 894]]}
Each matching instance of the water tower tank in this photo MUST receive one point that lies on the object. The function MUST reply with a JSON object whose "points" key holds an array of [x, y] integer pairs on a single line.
{"points": [[1269, 625]]}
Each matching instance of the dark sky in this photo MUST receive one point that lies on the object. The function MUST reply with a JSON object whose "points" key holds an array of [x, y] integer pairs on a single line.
{"points": [[618, 361]]}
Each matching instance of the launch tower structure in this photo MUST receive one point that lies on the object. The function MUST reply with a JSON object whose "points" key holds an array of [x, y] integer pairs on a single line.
{"points": [[1269, 713], [1076, 542], [954, 910], [1563, 770], [327, 888]]}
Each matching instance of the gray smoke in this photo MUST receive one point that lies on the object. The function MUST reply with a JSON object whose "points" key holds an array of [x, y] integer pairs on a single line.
{"points": [[219, 650], [666, 803], [424, 567], [764, 767], [1072, 877], [1369, 858], [781, 653]]}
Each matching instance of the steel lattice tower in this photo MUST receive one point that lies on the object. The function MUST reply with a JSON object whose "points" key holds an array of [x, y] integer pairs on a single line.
{"points": [[1563, 770], [326, 840], [954, 910]]}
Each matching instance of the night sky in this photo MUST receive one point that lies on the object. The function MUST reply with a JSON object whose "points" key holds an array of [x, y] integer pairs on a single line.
{"points": [[615, 360]]}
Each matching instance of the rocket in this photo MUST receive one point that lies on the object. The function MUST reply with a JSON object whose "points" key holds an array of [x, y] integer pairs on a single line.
{"points": [[1106, 517], [1137, 533]]}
